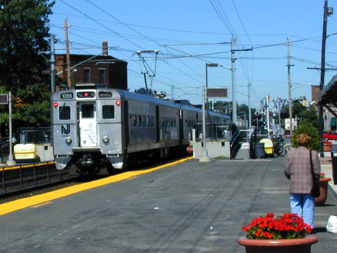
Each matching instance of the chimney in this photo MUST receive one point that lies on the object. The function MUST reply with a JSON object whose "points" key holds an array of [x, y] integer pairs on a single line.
{"points": [[105, 48]]}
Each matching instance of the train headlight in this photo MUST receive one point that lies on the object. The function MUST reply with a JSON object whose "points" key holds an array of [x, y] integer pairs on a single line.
{"points": [[68, 140], [105, 139]]}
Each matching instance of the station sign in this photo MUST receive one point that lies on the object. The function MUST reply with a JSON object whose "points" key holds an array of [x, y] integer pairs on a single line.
{"points": [[216, 92], [3, 99]]}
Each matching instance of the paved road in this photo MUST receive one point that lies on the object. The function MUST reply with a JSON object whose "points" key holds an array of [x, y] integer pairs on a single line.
{"points": [[186, 207]]}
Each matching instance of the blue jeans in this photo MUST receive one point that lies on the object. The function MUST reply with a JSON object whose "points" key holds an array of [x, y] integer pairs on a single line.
{"points": [[304, 206]]}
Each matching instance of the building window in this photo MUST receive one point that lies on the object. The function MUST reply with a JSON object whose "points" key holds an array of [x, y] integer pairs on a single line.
{"points": [[101, 76], [86, 75]]}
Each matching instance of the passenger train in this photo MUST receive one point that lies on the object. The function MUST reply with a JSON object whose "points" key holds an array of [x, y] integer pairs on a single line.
{"points": [[97, 129]]}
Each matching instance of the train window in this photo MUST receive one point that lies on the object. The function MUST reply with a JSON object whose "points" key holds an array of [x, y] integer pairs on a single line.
{"points": [[152, 121], [134, 122], [108, 112], [87, 111], [143, 121], [64, 112], [147, 120], [139, 120], [130, 120], [174, 122]]}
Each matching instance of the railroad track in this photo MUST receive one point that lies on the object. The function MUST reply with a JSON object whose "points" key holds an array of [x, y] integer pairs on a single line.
{"points": [[25, 179]]}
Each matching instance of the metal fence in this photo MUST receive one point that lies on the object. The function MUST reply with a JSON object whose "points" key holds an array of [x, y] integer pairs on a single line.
{"points": [[214, 131], [25, 176]]}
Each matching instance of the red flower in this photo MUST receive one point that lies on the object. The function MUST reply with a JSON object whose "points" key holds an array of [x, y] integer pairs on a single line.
{"points": [[287, 226]]}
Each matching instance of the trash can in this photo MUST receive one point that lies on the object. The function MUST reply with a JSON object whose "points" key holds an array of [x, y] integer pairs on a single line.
{"points": [[334, 165], [259, 150], [25, 152], [268, 146]]}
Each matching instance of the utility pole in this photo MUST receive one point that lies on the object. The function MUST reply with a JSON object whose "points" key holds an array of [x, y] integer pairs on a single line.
{"points": [[172, 91], [249, 107], [233, 58], [289, 90], [233, 68], [67, 52], [327, 11], [321, 84], [52, 64], [10, 157], [204, 157], [268, 123]]}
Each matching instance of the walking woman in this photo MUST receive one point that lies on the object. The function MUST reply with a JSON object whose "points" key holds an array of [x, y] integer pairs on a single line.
{"points": [[298, 171]]}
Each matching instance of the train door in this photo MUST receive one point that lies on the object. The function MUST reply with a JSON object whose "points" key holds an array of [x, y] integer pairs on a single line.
{"points": [[181, 127], [87, 124], [157, 124]]}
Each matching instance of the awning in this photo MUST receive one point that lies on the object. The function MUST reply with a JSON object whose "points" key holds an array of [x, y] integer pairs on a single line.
{"points": [[328, 96]]}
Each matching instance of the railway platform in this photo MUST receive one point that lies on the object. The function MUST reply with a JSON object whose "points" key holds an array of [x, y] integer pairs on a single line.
{"points": [[184, 206]]}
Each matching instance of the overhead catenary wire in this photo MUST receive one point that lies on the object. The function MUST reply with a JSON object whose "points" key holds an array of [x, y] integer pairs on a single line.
{"points": [[172, 55]]}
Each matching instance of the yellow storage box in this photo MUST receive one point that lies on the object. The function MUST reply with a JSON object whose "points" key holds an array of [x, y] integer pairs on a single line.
{"points": [[268, 146], [25, 151]]}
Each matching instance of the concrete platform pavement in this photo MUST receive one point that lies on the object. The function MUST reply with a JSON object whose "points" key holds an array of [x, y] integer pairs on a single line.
{"points": [[190, 207], [326, 164]]}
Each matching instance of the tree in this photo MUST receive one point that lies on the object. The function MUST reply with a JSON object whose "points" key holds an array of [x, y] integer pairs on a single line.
{"points": [[226, 107], [310, 115], [306, 127], [303, 113], [25, 33]]}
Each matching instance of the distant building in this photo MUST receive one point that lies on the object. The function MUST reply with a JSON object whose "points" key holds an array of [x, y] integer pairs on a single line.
{"points": [[102, 69], [315, 89]]}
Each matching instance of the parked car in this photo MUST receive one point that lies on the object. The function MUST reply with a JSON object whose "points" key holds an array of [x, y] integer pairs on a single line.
{"points": [[330, 136]]}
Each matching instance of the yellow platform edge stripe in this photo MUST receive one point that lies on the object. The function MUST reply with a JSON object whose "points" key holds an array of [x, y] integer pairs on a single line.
{"points": [[44, 197]]}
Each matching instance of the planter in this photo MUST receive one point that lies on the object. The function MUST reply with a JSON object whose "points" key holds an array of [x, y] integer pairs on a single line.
{"points": [[323, 187], [302, 245], [327, 146]]}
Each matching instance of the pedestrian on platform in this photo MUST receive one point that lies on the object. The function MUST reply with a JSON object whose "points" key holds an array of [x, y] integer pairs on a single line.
{"points": [[298, 171]]}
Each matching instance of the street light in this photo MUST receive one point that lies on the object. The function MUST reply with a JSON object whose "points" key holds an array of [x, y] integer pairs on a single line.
{"points": [[205, 157], [72, 75], [209, 65]]}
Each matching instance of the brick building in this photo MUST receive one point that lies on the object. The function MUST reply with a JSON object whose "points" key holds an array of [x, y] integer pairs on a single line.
{"points": [[102, 69]]}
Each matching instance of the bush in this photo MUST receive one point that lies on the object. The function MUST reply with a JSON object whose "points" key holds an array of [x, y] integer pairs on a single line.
{"points": [[307, 128]]}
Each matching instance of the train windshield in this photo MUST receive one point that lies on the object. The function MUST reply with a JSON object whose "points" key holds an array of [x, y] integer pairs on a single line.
{"points": [[64, 112], [108, 112]]}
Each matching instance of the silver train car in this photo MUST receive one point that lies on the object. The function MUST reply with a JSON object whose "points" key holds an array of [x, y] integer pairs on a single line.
{"points": [[96, 130]]}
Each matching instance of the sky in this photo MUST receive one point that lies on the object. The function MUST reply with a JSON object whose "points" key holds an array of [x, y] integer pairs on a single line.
{"points": [[188, 35]]}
